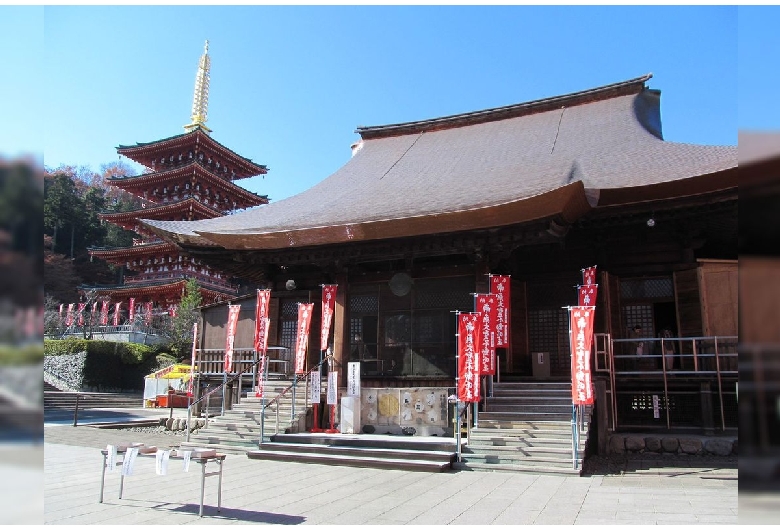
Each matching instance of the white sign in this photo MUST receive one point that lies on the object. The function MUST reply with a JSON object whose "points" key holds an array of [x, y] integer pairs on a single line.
{"points": [[656, 411], [353, 379], [333, 395], [315, 387]]}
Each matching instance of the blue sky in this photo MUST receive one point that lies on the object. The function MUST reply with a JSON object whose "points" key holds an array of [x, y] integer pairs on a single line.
{"points": [[290, 84]]}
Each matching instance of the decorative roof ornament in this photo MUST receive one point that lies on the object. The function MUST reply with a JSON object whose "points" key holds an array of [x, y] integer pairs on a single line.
{"points": [[200, 99]]}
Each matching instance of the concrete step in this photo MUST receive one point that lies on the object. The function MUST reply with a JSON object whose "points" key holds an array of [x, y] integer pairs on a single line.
{"points": [[412, 443], [365, 451], [229, 448], [354, 460], [518, 468]]}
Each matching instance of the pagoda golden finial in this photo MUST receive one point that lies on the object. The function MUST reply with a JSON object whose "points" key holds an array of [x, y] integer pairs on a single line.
{"points": [[200, 100]]}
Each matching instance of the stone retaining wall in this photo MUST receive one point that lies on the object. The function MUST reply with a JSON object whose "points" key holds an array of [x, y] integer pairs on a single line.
{"points": [[669, 443], [180, 424]]}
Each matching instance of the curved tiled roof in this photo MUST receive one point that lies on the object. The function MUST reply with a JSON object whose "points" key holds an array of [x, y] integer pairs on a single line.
{"points": [[509, 161]]}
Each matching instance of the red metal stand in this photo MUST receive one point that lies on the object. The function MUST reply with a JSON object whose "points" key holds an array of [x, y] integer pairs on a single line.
{"points": [[332, 430], [316, 423]]}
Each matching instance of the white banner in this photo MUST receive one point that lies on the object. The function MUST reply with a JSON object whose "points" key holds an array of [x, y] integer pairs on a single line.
{"points": [[333, 394], [353, 379], [315, 387]]}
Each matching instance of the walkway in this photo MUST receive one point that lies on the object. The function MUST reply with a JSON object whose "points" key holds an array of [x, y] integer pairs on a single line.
{"points": [[269, 492]]}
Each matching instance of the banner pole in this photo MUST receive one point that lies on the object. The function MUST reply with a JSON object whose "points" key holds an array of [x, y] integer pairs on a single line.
{"points": [[457, 389]]}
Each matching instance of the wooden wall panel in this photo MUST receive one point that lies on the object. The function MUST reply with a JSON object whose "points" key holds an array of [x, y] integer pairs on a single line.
{"points": [[719, 285], [688, 301]]}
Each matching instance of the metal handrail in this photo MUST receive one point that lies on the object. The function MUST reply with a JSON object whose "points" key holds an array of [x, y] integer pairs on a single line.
{"points": [[292, 386], [697, 356]]}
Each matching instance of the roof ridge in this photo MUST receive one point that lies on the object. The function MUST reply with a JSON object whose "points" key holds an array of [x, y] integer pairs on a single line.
{"points": [[506, 111]]}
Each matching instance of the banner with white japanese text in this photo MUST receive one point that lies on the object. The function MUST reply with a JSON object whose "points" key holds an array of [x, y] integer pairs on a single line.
{"points": [[328, 307], [232, 323], [172, 310], [93, 314], [104, 313], [62, 307], [131, 315], [148, 313], [581, 333], [500, 286], [116, 313], [69, 316], [587, 294], [589, 275], [487, 304], [333, 382], [469, 331], [194, 353], [302, 336], [81, 313], [261, 320]]}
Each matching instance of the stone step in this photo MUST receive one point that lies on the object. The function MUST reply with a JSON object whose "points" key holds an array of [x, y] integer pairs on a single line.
{"points": [[380, 441], [365, 451], [229, 448], [518, 468], [519, 441], [352, 460]]}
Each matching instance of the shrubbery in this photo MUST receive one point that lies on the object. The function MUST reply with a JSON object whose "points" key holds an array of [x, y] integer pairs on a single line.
{"points": [[14, 356], [112, 365]]}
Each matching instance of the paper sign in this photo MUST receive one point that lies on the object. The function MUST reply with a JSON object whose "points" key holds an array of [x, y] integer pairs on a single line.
{"points": [[129, 461], [161, 462], [111, 464]]}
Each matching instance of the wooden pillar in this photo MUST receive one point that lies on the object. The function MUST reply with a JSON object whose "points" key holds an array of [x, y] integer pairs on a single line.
{"points": [[341, 328], [602, 415], [707, 417]]}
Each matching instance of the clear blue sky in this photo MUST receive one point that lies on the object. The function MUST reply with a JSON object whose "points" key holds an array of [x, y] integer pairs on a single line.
{"points": [[289, 85]]}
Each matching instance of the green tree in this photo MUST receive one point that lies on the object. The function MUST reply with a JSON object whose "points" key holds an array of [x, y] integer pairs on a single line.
{"points": [[180, 330]]}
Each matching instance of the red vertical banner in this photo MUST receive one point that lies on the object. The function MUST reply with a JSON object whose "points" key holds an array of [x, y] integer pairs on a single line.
{"points": [[302, 337], [589, 276], [148, 313], [587, 294], [487, 304], [104, 313], [81, 314], [69, 316], [260, 387], [261, 320], [232, 323], [131, 314], [469, 331], [93, 315], [116, 313], [62, 307], [173, 310], [500, 286], [581, 334], [194, 353], [328, 308]]}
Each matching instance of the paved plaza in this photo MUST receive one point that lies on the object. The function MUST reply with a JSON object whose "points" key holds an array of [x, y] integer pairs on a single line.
{"points": [[268, 492]]}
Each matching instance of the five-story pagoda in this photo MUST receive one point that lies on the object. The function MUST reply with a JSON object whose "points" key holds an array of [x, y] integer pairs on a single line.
{"points": [[189, 177]]}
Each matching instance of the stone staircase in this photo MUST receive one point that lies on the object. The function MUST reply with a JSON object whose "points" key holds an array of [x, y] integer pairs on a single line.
{"points": [[525, 427], [410, 453], [54, 398], [238, 430]]}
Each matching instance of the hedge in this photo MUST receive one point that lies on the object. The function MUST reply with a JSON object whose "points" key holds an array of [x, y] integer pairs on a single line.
{"points": [[22, 355], [111, 365]]}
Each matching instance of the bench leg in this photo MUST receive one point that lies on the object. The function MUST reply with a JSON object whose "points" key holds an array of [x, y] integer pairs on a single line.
{"points": [[102, 479], [202, 486], [219, 490]]}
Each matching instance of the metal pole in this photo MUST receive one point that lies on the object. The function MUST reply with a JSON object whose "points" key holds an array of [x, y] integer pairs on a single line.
{"points": [[76, 411], [224, 388], [720, 387], [666, 385], [574, 435], [208, 396]]}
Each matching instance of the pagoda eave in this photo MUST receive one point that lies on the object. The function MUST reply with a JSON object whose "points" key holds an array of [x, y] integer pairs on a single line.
{"points": [[147, 153]]}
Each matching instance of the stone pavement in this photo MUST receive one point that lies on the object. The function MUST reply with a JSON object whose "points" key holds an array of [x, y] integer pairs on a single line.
{"points": [[269, 492]]}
